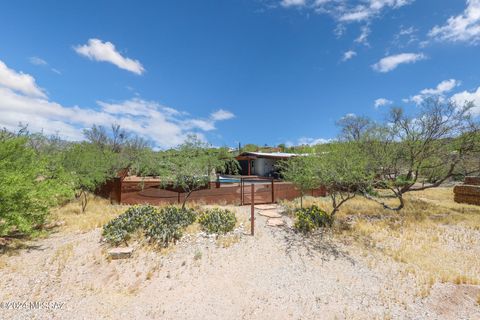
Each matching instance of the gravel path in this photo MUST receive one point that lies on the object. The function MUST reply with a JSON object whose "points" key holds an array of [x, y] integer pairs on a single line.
{"points": [[275, 275]]}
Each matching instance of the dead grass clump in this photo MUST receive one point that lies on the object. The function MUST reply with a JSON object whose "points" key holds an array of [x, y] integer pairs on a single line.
{"points": [[62, 256], [98, 212], [226, 241], [436, 238], [430, 234]]}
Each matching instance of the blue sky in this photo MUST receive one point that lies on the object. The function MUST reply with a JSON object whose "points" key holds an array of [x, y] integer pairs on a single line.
{"points": [[249, 71]]}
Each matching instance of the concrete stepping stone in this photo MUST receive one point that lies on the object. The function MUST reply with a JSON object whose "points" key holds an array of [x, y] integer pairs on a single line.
{"points": [[275, 222], [270, 214], [266, 207], [120, 252]]}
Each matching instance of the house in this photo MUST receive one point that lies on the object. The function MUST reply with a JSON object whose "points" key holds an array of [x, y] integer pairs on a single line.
{"points": [[261, 163]]}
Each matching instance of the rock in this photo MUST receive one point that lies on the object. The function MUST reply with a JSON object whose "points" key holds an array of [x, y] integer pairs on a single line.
{"points": [[266, 206], [120, 252], [275, 222], [270, 213]]}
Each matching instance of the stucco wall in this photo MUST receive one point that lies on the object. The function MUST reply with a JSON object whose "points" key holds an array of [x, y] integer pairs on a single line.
{"points": [[263, 166]]}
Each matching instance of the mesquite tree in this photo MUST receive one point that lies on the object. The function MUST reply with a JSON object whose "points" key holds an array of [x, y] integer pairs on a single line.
{"points": [[302, 172], [191, 165], [416, 152], [344, 172]]}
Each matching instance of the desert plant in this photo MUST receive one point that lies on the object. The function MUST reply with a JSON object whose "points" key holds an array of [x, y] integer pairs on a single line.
{"points": [[309, 219], [168, 226], [302, 172], [29, 186], [189, 167], [161, 226], [120, 229], [218, 221]]}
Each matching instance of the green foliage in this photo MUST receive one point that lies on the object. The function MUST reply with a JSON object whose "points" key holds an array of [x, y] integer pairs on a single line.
{"points": [[29, 184], [344, 167], [89, 165], [192, 165], [160, 226], [218, 221], [309, 219], [302, 172]]}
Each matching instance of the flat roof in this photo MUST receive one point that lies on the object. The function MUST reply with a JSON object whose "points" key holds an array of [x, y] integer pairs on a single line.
{"points": [[279, 155]]}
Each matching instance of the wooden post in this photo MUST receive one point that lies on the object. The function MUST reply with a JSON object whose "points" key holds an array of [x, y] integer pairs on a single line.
{"points": [[273, 192], [252, 211], [249, 166], [241, 191]]}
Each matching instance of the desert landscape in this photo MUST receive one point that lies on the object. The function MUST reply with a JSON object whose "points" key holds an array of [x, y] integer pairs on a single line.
{"points": [[421, 264]]}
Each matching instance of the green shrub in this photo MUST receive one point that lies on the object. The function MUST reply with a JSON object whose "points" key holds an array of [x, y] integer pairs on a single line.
{"points": [[119, 229], [161, 226], [309, 219], [29, 185], [218, 221], [168, 225]]}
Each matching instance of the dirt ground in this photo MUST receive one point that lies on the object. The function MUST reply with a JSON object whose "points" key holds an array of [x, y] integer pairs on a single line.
{"points": [[276, 274]]}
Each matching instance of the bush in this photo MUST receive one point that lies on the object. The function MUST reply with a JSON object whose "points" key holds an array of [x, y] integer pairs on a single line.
{"points": [[161, 226], [309, 219], [219, 221], [168, 225], [28, 187]]}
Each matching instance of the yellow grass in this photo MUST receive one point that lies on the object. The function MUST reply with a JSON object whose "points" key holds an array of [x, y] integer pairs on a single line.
{"points": [[98, 212], [434, 237]]}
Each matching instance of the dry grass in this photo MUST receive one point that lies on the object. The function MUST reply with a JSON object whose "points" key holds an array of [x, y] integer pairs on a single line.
{"points": [[61, 257], [98, 212], [435, 238]]}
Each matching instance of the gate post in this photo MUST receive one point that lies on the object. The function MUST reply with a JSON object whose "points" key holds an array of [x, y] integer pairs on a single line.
{"points": [[252, 210], [273, 192]]}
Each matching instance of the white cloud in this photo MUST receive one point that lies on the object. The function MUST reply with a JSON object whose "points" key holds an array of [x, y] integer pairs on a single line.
{"points": [[164, 126], [390, 63], [465, 97], [37, 61], [222, 115], [363, 37], [348, 11], [293, 3], [313, 141], [308, 141], [442, 88], [105, 51], [462, 28], [19, 82], [380, 102], [348, 55], [370, 8]]}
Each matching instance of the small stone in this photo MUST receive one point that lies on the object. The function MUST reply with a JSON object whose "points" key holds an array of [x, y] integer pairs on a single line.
{"points": [[270, 214], [266, 207], [275, 222], [120, 252]]}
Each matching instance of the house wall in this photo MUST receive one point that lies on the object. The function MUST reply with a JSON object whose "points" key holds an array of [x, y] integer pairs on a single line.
{"points": [[263, 166]]}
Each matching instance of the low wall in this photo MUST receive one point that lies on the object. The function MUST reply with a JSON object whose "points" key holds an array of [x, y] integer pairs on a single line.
{"points": [[149, 192], [469, 192]]}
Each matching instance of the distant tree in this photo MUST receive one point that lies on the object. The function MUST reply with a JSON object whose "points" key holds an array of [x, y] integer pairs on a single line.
{"points": [[354, 127], [302, 172]]}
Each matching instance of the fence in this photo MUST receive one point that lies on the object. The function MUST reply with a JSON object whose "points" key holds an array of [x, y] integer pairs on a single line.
{"points": [[135, 190], [469, 192]]}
